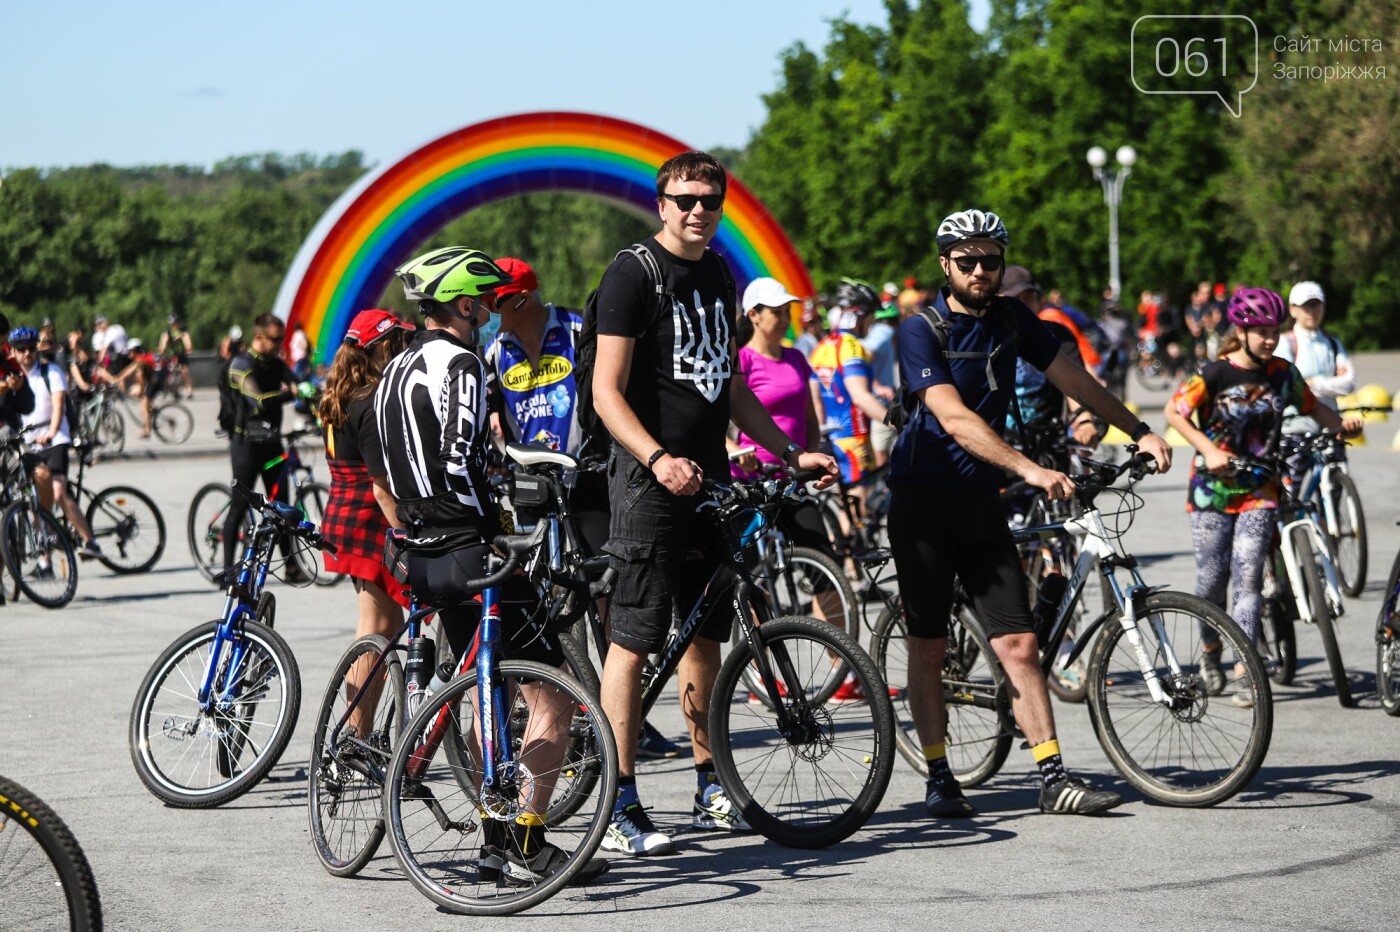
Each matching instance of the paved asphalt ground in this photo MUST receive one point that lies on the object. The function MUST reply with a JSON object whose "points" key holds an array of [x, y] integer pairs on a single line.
{"points": [[1310, 844]]}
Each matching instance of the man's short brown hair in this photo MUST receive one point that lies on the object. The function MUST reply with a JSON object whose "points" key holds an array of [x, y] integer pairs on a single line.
{"points": [[691, 166], [264, 323]]}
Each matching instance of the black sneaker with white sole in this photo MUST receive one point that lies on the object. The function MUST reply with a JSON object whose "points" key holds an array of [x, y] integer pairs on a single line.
{"points": [[1075, 797], [522, 870]]}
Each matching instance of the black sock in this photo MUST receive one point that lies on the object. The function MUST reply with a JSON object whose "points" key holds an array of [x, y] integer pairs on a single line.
{"points": [[1047, 758]]}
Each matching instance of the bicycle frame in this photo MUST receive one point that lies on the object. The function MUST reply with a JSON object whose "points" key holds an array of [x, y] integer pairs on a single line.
{"points": [[238, 608], [1306, 517]]}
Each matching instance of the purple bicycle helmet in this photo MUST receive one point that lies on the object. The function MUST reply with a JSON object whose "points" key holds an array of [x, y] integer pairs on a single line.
{"points": [[1256, 307]]}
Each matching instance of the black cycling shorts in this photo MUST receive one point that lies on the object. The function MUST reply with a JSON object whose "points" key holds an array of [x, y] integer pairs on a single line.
{"points": [[939, 536], [55, 457]]}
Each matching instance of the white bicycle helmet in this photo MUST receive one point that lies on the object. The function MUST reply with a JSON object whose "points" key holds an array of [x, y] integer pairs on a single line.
{"points": [[970, 224]]}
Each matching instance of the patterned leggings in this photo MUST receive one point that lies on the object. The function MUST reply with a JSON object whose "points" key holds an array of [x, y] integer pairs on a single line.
{"points": [[1232, 549]]}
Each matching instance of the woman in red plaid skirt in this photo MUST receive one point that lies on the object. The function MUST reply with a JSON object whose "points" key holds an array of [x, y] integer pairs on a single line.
{"points": [[361, 507]]}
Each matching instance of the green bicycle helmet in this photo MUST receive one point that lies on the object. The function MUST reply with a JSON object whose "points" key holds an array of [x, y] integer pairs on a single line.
{"points": [[446, 274]]}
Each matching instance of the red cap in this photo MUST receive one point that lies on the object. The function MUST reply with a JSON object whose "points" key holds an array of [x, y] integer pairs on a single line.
{"points": [[372, 324], [522, 277], [911, 282]]}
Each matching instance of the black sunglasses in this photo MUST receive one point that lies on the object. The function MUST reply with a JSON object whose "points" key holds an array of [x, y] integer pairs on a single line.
{"points": [[967, 263], [687, 202]]}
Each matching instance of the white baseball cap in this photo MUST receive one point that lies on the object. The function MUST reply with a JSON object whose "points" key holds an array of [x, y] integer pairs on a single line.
{"points": [[767, 292], [1303, 292]]}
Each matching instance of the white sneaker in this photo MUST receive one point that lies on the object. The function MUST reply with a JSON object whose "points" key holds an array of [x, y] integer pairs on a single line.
{"points": [[632, 832], [715, 812]]}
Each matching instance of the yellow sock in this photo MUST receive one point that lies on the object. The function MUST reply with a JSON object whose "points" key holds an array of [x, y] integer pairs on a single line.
{"points": [[933, 752], [529, 832], [1045, 749], [529, 818]]}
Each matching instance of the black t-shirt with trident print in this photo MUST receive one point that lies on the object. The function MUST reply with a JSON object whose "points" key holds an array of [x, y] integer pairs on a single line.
{"points": [[679, 383]]}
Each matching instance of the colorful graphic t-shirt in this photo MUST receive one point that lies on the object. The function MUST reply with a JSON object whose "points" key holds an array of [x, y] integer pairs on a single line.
{"points": [[536, 402], [837, 357], [782, 386], [1241, 411]]}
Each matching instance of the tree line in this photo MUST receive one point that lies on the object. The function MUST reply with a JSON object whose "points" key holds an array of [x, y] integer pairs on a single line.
{"points": [[867, 143]]}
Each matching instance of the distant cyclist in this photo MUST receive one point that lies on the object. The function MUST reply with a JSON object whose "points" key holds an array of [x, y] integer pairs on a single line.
{"points": [[841, 367], [175, 347], [1319, 356]]}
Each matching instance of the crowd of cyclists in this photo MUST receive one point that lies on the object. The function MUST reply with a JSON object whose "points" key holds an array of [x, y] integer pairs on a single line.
{"points": [[669, 378]]}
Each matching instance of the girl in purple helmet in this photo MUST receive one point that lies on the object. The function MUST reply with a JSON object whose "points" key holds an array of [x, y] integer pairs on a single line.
{"points": [[1234, 407]]}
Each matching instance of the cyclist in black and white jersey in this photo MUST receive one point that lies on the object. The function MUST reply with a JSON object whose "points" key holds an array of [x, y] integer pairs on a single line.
{"points": [[430, 411]]}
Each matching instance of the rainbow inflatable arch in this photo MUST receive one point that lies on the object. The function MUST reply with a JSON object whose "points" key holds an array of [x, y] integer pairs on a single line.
{"points": [[348, 260]]}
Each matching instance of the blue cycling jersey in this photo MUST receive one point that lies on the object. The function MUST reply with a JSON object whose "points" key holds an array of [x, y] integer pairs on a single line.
{"points": [[537, 402]]}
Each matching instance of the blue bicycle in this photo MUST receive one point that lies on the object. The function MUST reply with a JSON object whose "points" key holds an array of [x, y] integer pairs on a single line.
{"points": [[491, 762], [217, 708]]}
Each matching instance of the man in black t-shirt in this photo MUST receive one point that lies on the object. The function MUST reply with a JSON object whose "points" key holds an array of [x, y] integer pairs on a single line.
{"points": [[663, 386]]}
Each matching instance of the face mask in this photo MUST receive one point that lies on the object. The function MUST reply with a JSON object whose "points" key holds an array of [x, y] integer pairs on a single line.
{"points": [[487, 331]]}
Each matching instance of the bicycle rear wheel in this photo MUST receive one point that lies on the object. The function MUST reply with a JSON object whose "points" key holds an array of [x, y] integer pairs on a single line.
{"points": [[204, 528], [111, 431], [812, 582], [1192, 749], [129, 528], [1278, 641], [173, 423], [346, 780], [1315, 597], [39, 555], [459, 845], [45, 880], [1349, 541], [195, 758], [814, 780], [311, 499]]}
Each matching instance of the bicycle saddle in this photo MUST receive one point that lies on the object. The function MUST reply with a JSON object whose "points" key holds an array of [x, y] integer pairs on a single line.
{"points": [[537, 454]]}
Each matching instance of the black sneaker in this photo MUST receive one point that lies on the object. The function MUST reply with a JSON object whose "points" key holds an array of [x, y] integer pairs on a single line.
{"points": [[653, 745], [1072, 796], [945, 800], [520, 870]]}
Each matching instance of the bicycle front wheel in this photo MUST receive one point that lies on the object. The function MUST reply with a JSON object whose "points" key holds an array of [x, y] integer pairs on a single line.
{"points": [[39, 555], [346, 780], [195, 757], [45, 880], [809, 774], [1188, 748], [173, 423], [459, 842], [111, 431], [204, 528], [1348, 537], [1315, 598], [129, 528]]}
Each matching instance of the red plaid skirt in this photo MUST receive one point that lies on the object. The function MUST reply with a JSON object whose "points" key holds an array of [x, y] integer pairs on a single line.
{"points": [[354, 524]]}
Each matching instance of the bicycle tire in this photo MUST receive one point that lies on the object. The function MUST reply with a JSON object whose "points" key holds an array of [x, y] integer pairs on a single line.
{"points": [[1388, 645], [1349, 546], [1315, 597], [976, 740], [204, 528], [749, 744], [172, 423], [1278, 642], [311, 499], [111, 431], [42, 562], [24, 879], [808, 569], [344, 805], [120, 515], [152, 715], [459, 884], [1201, 760]]}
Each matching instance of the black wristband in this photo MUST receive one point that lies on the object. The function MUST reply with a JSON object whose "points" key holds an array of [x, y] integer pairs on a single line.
{"points": [[787, 453], [651, 460], [1140, 431]]}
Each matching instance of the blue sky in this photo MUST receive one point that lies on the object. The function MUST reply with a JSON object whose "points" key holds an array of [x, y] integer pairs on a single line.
{"points": [[193, 82]]}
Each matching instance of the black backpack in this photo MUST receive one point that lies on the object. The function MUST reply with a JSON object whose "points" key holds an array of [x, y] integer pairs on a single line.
{"points": [[595, 435], [228, 400], [901, 414]]}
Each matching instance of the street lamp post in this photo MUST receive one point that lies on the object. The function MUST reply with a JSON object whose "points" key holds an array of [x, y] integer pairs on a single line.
{"points": [[1112, 181]]}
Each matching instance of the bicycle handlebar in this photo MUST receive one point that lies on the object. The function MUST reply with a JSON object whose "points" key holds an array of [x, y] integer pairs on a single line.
{"points": [[288, 518], [1103, 475]]}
